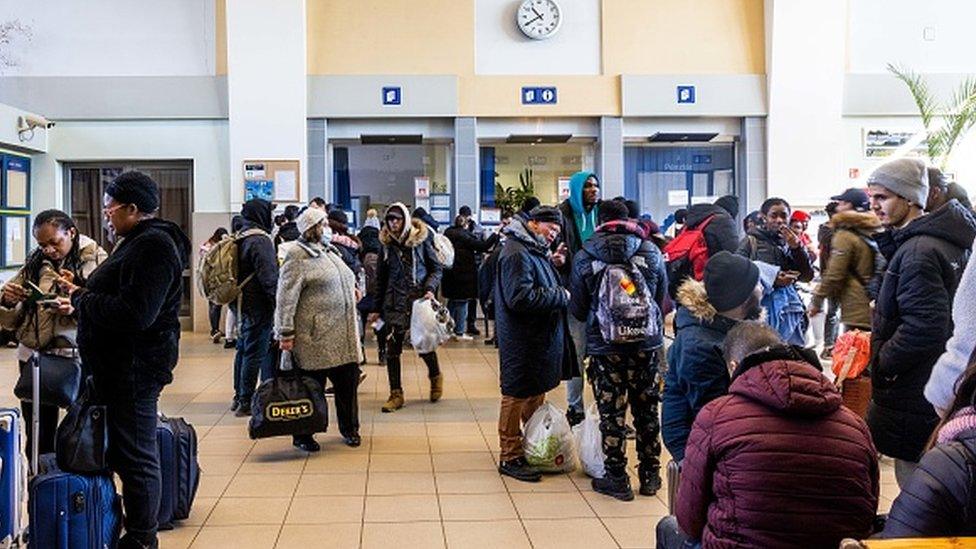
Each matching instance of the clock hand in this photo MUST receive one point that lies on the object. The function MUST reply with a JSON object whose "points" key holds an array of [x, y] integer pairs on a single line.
{"points": [[530, 21], [537, 13]]}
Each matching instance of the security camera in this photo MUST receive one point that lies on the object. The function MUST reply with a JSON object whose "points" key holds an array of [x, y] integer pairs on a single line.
{"points": [[31, 121]]}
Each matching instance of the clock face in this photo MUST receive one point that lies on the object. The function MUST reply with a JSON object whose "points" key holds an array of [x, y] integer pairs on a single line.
{"points": [[539, 19]]}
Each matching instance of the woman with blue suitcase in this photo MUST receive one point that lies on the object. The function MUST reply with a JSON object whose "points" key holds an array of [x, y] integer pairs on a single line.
{"points": [[28, 304]]}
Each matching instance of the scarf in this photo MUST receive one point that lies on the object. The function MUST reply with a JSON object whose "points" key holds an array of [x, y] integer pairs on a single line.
{"points": [[962, 421]]}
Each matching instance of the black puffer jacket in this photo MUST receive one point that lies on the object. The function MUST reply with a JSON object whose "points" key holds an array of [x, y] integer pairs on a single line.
{"points": [[530, 309], [287, 233], [722, 233], [912, 322], [129, 310], [940, 498], [610, 248], [762, 245], [461, 280], [406, 269], [257, 256]]}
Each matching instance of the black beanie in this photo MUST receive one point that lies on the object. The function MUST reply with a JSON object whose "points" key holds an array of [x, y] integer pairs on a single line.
{"points": [[529, 204], [545, 214], [135, 188], [729, 280], [611, 210], [465, 211], [339, 216]]}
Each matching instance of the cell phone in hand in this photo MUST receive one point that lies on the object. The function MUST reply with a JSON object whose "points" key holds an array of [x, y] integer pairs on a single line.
{"points": [[49, 303], [36, 294]]}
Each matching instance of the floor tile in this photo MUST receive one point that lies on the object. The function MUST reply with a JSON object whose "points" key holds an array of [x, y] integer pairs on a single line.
{"points": [[463, 461], [549, 484], [213, 485], [560, 534], [406, 463], [268, 485], [411, 508], [636, 532], [547, 506], [465, 443], [400, 445], [332, 536], [426, 535], [325, 509], [470, 482], [606, 506], [477, 507], [202, 507], [178, 538], [236, 537], [390, 484], [248, 511], [508, 534], [335, 484]]}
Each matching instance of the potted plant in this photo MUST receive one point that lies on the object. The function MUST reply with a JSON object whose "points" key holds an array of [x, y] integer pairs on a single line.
{"points": [[508, 198]]}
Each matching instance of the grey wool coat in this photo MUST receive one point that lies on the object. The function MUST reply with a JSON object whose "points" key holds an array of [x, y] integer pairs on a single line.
{"points": [[316, 304]]}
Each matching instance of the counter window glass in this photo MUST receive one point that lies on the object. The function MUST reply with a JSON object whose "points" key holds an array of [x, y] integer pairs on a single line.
{"points": [[543, 165]]}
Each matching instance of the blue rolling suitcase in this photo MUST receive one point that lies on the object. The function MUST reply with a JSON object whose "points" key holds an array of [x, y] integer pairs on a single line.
{"points": [[69, 511], [179, 468], [13, 478]]}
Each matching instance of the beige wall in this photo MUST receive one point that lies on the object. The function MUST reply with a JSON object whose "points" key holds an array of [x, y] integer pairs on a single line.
{"points": [[683, 37]]}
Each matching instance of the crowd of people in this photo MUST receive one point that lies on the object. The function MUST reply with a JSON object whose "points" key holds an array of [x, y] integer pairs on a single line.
{"points": [[587, 289]]}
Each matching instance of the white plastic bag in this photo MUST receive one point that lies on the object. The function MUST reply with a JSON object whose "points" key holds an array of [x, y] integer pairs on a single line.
{"points": [[430, 325], [549, 444], [590, 443]]}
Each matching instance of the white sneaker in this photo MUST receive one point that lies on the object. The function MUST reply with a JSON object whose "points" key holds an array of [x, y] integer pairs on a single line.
{"points": [[463, 337]]}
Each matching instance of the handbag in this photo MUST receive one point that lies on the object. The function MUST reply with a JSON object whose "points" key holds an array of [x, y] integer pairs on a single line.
{"points": [[82, 437], [288, 404], [60, 379]]}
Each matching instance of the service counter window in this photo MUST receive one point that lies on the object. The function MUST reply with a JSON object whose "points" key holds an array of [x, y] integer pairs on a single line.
{"points": [[543, 167], [14, 210]]}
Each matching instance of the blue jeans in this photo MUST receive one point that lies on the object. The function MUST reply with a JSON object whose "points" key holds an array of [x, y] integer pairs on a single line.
{"points": [[253, 356], [459, 312], [574, 387], [670, 536]]}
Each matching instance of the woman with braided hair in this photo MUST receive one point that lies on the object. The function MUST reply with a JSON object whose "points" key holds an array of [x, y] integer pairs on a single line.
{"points": [[41, 325]]}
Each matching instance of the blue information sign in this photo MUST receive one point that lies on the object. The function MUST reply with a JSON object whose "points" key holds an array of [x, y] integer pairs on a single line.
{"points": [[686, 94], [392, 95], [534, 95]]}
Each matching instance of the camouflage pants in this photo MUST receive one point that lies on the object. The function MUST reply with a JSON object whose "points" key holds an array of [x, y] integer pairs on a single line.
{"points": [[619, 380]]}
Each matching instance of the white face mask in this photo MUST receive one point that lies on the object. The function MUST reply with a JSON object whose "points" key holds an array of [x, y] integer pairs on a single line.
{"points": [[326, 235]]}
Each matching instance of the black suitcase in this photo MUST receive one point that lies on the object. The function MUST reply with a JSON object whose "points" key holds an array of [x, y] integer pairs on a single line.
{"points": [[179, 469]]}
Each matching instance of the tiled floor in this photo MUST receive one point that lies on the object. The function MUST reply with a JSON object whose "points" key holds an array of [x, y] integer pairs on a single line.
{"points": [[424, 476]]}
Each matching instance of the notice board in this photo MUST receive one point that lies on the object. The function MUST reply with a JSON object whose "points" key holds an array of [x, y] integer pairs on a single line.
{"points": [[278, 181]]}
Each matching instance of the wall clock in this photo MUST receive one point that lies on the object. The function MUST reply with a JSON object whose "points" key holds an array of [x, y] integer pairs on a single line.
{"points": [[539, 19]]}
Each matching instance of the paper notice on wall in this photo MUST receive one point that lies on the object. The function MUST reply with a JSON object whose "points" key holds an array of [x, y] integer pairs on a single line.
{"points": [[421, 187], [678, 198], [563, 188], [286, 185], [491, 216], [254, 171], [703, 200]]}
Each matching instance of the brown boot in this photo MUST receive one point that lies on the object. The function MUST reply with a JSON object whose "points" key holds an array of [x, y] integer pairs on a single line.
{"points": [[436, 387], [395, 402]]}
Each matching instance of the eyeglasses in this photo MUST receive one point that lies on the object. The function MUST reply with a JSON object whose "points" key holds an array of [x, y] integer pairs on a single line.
{"points": [[107, 212]]}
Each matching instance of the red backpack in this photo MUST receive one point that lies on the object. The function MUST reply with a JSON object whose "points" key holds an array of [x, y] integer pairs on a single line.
{"points": [[687, 255]]}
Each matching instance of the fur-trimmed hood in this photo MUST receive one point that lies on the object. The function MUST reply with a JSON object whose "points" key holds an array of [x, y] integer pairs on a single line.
{"points": [[414, 233], [865, 222], [692, 296]]}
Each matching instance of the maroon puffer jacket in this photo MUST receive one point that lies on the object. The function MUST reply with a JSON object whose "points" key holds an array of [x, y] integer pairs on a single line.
{"points": [[778, 462]]}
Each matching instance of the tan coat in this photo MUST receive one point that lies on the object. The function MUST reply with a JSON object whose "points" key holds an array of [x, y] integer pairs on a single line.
{"points": [[850, 267], [316, 304], [49, 324]]}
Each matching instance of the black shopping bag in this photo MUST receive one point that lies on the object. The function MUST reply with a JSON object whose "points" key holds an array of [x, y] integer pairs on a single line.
{"points": [[288, 404]]}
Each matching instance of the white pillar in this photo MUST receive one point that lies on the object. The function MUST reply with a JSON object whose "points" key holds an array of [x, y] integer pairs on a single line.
{"points": [[266, 86], [806, 48]]}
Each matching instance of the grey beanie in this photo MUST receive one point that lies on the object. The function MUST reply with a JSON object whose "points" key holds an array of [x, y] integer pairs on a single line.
{"points": [[906, 177]]}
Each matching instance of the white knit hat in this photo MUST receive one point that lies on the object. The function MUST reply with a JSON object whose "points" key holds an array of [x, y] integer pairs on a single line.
{"points": [[309, 218]]}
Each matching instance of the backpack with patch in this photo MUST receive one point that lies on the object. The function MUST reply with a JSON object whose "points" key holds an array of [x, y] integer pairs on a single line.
{"points": [[686, 256], [872, 286], [626, 311], [443, 250], [217, 270]]}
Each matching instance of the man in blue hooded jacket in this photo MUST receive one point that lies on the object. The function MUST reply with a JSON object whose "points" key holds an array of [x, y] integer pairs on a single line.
{"points": [[579, 223]]}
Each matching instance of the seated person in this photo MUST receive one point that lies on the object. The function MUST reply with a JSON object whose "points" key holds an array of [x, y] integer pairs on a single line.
{"points": [[940, 497], [697, 374], [778, 462]]}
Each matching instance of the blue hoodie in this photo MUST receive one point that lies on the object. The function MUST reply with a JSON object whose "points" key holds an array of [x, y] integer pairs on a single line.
{"points": [[585, 221]]}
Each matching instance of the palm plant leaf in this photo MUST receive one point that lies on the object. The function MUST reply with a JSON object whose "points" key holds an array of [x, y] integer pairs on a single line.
{"points": [[925, 101], [958, 120]]}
